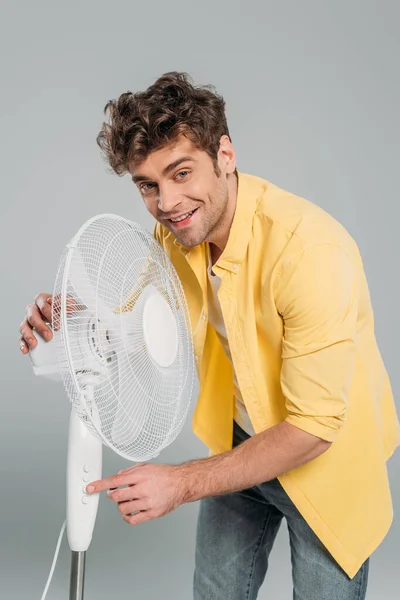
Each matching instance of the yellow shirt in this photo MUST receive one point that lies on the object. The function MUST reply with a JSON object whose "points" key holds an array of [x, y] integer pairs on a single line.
{"points": [[300, 326]]}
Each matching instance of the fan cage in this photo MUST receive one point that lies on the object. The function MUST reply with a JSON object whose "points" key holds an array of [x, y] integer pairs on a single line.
{"points": [[135, 406]]}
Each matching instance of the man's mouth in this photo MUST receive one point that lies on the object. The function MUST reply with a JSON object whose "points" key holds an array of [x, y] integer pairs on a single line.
{"points": [[183, 219]]}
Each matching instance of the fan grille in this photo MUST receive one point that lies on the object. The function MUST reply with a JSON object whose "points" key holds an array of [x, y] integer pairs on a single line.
{"points": [[105, 276]]}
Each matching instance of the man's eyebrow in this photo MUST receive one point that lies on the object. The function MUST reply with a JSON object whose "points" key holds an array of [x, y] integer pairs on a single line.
{"points": [[168, 168]]}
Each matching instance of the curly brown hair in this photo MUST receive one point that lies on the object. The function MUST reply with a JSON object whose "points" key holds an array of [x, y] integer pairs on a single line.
{"points": [[142, 122]]}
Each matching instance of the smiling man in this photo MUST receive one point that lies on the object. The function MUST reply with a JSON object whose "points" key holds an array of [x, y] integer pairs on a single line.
{"points": [[191, 201], [295, 403]]}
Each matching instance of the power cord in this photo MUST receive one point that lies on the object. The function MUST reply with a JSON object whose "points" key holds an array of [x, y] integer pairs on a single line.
{"points": [[54, 561]]}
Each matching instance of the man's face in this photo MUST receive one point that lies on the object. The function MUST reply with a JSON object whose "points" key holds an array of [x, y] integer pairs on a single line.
{"points": [[182, 191]]}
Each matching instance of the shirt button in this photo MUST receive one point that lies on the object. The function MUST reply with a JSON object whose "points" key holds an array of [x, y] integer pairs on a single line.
{"points": [[235, 266]]}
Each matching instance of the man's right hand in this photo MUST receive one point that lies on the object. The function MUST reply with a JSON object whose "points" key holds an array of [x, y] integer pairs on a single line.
{"points": [[37, 315]]}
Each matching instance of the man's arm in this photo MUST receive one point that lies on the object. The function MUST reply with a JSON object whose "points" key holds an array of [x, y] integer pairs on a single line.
{"points": [[148, 491], [261, 458]]}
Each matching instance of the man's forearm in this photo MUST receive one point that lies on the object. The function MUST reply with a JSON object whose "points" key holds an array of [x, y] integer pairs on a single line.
{"points": [[261, 458]]}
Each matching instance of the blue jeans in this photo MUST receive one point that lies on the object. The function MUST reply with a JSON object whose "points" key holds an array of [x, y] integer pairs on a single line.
{"points": [[235, 534]]}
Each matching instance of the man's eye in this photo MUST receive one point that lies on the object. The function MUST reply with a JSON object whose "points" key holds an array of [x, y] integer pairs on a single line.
{"points": [[143, 187], [184, 173]]}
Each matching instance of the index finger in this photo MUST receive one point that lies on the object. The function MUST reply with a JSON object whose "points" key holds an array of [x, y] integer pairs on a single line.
{"points": [[107, 483]]}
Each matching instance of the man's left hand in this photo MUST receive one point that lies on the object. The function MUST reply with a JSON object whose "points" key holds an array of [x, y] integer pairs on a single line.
{"points": [[153, 491]]}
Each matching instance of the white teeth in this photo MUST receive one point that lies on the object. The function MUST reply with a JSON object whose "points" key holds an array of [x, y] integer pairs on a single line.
{"points": [[182, 217]]}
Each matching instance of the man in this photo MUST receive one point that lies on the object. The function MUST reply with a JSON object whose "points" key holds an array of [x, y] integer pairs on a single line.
{"points": [[295, 403]]}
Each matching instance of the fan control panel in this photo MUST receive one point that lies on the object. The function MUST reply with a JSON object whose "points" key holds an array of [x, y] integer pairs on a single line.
{"points": [[85, 480]]}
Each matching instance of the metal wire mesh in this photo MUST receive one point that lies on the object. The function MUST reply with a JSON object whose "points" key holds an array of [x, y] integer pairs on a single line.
{"points": [[104, 278]]}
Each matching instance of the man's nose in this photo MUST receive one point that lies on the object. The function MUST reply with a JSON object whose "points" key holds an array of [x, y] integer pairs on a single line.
{"points": [[167, 201]]}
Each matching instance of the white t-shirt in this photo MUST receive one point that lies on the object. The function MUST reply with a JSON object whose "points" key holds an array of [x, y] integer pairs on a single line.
{"points": [[216, 320]]}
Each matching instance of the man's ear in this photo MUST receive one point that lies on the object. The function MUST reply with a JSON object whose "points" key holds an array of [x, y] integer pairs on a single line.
{"points": [[226, 155]]}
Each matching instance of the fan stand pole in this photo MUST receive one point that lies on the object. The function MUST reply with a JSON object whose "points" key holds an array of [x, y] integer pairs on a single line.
{"points": [[77, 580]]}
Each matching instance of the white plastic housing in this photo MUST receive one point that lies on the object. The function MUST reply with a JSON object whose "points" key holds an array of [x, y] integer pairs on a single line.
{"points": [[84, 464], [44, 359]]}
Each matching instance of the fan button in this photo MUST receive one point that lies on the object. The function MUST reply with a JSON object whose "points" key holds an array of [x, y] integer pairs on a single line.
{"points": [[85, 499], [86, 478], [86, 468]]}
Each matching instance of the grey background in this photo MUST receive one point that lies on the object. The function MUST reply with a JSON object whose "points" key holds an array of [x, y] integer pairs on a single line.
{"points": [[312, 92]]}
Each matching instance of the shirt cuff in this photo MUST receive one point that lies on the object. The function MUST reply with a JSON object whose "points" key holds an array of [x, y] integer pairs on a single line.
{"points": [[327, 430]]}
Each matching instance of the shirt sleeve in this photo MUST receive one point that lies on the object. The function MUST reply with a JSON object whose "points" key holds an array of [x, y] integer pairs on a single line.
{"points": [[317, 297]]}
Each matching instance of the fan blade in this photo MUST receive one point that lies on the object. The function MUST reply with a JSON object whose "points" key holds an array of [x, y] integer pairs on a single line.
{"points": [[86, 292], [128, 422], [151, 343]]}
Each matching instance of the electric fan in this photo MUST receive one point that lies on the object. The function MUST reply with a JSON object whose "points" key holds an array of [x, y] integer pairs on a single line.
{"points": [[122, 346]]}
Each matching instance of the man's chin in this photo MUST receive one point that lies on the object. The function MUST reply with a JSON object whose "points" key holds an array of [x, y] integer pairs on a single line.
{"points": [[189, 240]]}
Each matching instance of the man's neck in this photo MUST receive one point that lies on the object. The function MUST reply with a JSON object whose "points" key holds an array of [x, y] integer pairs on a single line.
{"points": [[215, 253], [220, 238]]}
